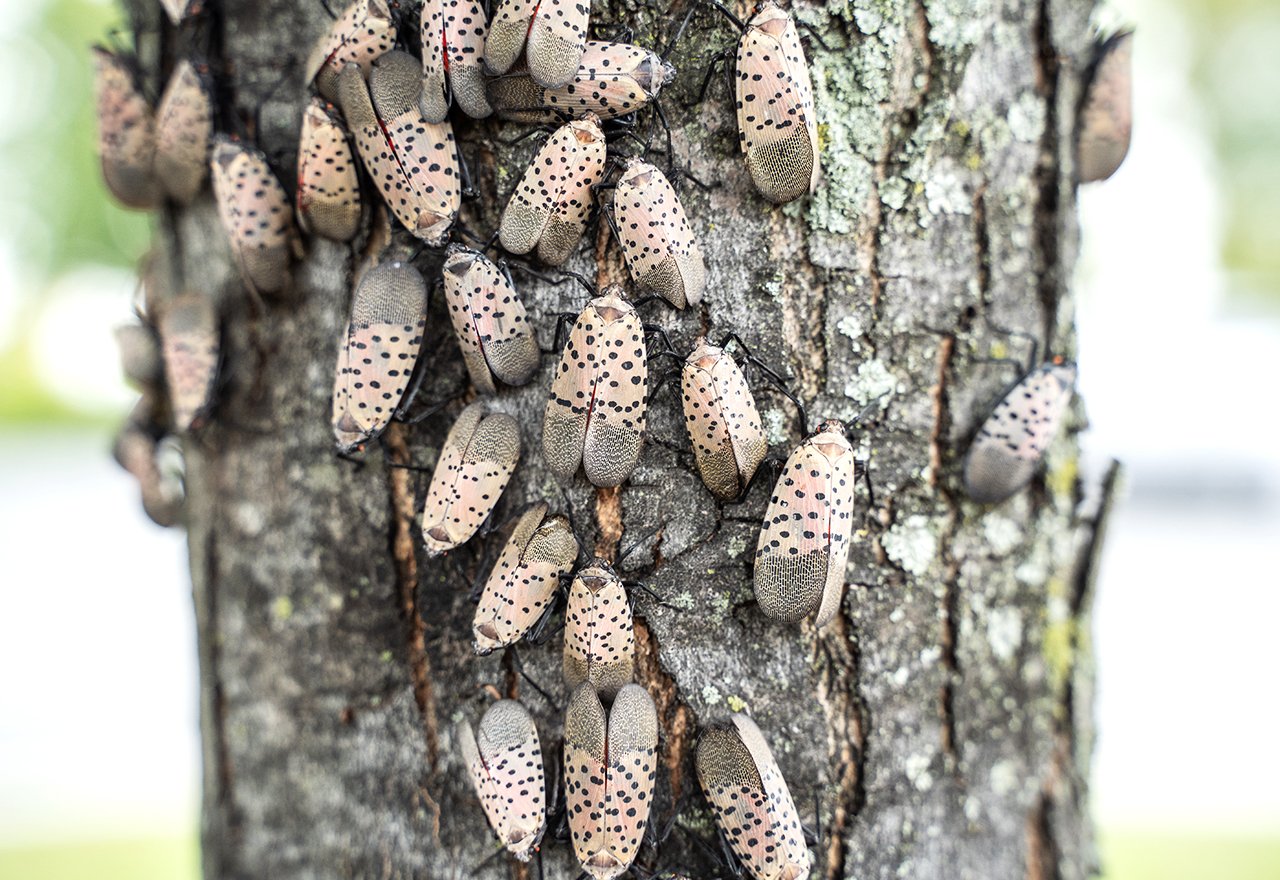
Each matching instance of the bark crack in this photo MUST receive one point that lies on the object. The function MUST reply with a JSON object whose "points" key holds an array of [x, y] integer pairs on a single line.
{"points": [[840, 697], [1047, 184], [674, 715], [405, 560]]}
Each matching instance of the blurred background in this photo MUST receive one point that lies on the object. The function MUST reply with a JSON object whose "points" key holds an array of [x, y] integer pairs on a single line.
{"points": [[1179, 318]]}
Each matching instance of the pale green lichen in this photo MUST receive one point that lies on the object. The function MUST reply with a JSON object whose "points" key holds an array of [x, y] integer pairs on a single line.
{"points": [[872, 381], [917, 770], [851, 326], [776, 426], [912, 544], [1004, 632], [736, 703], [711, 695], [1002, 533], [282, 608], [386, 656], [1026, 118], [682, 600], [737, 544]]}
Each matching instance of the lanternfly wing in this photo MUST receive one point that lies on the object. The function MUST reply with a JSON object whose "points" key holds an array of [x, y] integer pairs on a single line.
{"points": [[507, 31], [184, 125], [550, 204], [614, 79], [804, 545], [596, 411], [477, 460], [1106, 115], [615, 423], [434, 100], [363, 33], [493, 329], [556, 40], [505, 762], [609, 769], [376, 361], [189, 339], [524, 580], [654, 233], [777, 126], [328, 198], [1012, 440], [722, 421], [464, 33], [599, 639], [633, 749], [126, 132], [750, 800], [255, 213]]}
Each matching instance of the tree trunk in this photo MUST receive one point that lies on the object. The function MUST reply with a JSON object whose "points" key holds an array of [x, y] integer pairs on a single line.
{"points": [[939, 727]]}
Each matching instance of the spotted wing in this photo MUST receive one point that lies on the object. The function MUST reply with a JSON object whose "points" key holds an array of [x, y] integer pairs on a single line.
{"points": [[429, 158], [190, 347], [556, 40], [479, 457], [789, 850], [464, 29], [361, 35], [508, 744], [571, 202], [564, 427], [632, 768], [255, 214], [126, 133], [538, 192], [503, 332], [613, 79], [378, 356], [656, 239], [328, 195], [491, 625], [777, 129], [184, 124], [1013, 439], [723, 423], [615, 424], [507, 31], [433, 102], [586, 775], [462, 288], [801, 537]]}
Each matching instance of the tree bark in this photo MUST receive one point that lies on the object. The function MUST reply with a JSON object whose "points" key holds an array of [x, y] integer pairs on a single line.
{"points": [[939, 727]]}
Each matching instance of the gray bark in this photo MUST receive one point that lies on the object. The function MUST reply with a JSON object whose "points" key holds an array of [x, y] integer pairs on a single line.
{"points": [[939, 727]]}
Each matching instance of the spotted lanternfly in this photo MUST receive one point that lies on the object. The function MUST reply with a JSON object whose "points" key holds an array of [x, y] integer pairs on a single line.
{"points": [[138, 450], [505, 762], [524, 580], [413, 162], [613, 79], [595, 414], [1106, 113], [184, 125], [126, 132], [140, 359], [507, 32], [1012, 440], [599, 639], [476, 461], [777, 124], [493, 330], [363, 33], [610, 764], [255, 213], [557, 39], [453, 33], [721, 418], [190, 343], [657, 243], [804, 545], [549, 207], [378, 356], [750, 800], [328, 197]]}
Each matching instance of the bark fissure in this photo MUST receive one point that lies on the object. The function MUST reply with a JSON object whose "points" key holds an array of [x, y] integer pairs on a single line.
{"points": [[1048, 174], [845, 711]]}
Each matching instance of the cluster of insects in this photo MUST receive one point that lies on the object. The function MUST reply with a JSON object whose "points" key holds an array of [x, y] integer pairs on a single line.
{"points": [[378, 121]]}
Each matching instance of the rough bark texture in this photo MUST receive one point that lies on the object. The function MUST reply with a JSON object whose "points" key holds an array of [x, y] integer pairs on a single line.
{"points": [[939, 727]]}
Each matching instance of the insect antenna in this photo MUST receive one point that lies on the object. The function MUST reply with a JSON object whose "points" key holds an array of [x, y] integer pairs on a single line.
{"points": [[518, 665]]}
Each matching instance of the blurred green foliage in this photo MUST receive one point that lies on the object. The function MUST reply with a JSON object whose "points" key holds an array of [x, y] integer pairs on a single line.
{"points": [[161, 858], [1148, 855], [56, 212], [1235, 71]]}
